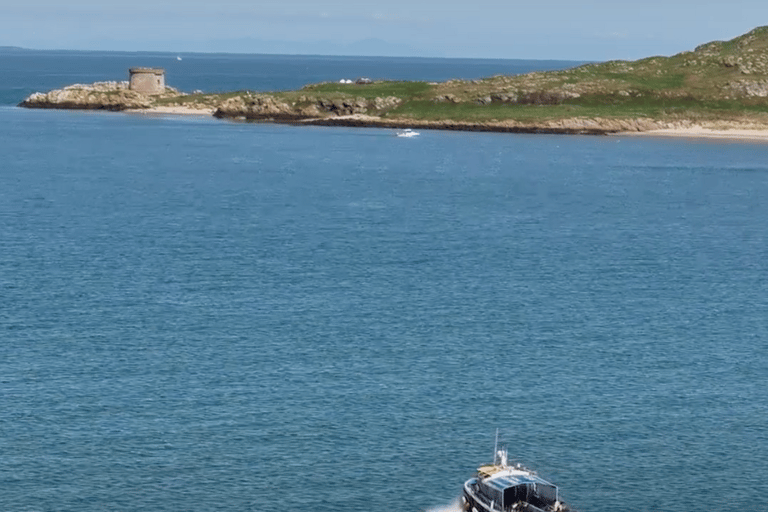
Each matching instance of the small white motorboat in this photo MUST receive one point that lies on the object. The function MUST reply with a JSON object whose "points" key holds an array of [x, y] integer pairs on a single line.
{"points": [[407, 133]]}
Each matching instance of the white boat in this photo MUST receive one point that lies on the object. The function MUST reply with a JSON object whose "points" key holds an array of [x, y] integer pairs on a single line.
{"points": [[499, 487], [407, 133]]}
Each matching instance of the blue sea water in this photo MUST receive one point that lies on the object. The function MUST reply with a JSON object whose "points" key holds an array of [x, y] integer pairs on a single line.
{"points": [[204, 315]]}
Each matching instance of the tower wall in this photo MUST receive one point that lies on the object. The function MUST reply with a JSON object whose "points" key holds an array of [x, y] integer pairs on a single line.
{"points": [[147, 80]]}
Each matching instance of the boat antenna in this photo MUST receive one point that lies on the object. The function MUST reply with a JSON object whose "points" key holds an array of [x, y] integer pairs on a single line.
{"points": [[496, 446]]}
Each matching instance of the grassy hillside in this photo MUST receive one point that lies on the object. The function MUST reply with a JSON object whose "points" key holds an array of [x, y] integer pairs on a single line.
{"points": [[715, 80]]}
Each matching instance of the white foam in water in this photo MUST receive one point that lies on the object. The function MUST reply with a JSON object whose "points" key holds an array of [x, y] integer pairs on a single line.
{"points": [[454, 506]]}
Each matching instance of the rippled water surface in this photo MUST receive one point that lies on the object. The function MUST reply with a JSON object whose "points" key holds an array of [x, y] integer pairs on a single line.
{"points": [[203, 315]]}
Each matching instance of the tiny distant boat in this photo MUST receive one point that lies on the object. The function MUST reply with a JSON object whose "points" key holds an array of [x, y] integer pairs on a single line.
{"points": [[499, 487], [178, 57], [407, 133]]}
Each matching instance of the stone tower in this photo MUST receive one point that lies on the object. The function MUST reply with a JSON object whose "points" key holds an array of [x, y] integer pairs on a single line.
{"points": [[147, 80]]}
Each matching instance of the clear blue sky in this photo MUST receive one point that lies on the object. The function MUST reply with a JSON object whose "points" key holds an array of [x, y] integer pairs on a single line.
{"points": [[531, 29]]}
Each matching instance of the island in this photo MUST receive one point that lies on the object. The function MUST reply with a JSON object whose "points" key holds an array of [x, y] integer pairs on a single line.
{"points": [[721, 85]]}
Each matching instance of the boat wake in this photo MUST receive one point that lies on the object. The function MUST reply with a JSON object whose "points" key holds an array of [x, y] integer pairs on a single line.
{"points": [[454, 506]]}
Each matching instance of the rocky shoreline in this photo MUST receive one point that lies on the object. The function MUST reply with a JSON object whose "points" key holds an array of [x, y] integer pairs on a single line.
{"points": [[572, 126], [113, 96], [117, 97], [357, 112]]}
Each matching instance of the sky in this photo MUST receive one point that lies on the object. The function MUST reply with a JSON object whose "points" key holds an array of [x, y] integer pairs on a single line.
{"points": [[533, 29]]}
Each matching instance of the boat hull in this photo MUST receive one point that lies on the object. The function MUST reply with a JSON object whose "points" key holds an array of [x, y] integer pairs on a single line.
{"points": [[471, 502]]}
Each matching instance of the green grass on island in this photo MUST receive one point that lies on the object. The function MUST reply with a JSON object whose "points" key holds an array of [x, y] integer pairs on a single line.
{"points": [[718, 81]]}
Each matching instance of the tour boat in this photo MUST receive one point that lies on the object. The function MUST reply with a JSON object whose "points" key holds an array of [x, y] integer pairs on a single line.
{"points": [[500, 487]]}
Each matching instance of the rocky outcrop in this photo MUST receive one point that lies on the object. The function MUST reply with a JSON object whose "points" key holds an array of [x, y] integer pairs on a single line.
{"points": [[447, 98], [265, 106], [598, 125], [387, 103], [98, 96], [261, 106], [344, 106], [749, 88]]}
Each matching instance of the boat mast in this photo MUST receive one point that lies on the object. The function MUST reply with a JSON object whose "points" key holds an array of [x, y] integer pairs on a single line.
{"points": [[495, 447]]}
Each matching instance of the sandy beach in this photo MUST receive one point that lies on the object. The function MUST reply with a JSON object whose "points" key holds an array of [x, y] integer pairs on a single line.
{"points": [[176, 110], [701, 132]]}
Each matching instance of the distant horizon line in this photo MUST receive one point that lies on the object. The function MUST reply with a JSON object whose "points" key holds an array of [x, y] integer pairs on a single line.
{"points": [[171, 52]]}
